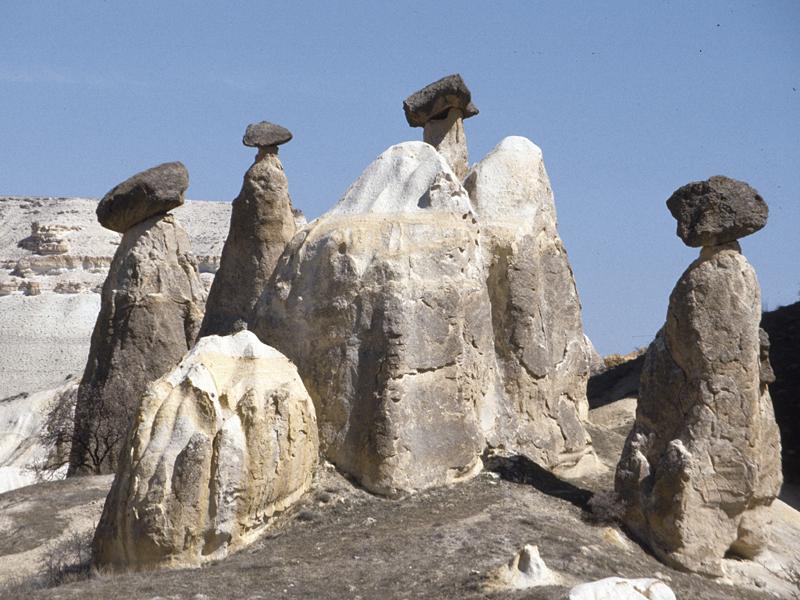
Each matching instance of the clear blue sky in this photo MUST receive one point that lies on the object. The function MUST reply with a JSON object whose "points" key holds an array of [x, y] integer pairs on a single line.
{"points": [[628, 100]]}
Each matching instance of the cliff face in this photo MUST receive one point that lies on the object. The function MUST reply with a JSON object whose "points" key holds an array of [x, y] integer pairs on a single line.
{"points": [[54, 257]]}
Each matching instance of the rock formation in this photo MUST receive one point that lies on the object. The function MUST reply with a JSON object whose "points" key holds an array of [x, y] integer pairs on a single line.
{"points": [[150, 313], [423, 332], [220, 444], [440, 108], [382, 305], [262, 223], [703, 458], [541, 351]]}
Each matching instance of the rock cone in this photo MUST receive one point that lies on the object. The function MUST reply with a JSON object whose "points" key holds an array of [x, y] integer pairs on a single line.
{"points": [[220, 444], [262, 223], [542, 354]]}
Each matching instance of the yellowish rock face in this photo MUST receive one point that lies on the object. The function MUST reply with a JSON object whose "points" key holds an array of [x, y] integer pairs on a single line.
{"points": [[220, 444]]}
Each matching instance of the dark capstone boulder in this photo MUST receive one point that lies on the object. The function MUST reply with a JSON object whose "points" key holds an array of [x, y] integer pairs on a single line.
{"points": [[260, 135], [717, 211], [146, 194], [437, 99]]}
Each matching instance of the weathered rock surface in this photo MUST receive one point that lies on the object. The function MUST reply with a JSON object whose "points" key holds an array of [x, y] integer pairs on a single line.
{"points": [[703, 459], [717, 211], [150, 314], [44, 338], [146, 194], [262, 224], [399, 321], [441, 108], [541, 351], [220, 444], [382, 305], [619, 588], [264, 134]]}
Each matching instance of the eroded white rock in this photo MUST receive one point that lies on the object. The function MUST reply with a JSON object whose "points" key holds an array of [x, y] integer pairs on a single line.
{"points": [[618, 588], [220, 444]]}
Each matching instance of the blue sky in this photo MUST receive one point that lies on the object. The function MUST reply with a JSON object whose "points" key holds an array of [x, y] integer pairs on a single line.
{"points": [[628, 101]]}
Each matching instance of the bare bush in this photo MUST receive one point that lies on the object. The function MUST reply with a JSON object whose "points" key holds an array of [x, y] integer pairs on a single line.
{"points": [[68, 560], [605, 507]]}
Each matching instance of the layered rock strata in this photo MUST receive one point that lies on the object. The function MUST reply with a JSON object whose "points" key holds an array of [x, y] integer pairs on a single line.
{"points": [[394, 311], [45, 337], [151, 309], [440, 109], [702, 461], [219, 445], [262, 223]]}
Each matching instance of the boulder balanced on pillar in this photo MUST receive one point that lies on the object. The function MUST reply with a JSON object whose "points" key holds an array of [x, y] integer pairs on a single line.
{"points": [[150, 312], [262, 223], [703, 458]]}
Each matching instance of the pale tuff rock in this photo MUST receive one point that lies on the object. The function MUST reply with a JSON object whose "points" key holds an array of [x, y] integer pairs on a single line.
{"points": [[387, 304], [24, 456], [46, 239], [526, 569], [146, 194], [717, 211], [619, 588], [542, 353], [702, 462], [262, 224], [150, 314], [440, 108], [219, 445], [382, 305]]}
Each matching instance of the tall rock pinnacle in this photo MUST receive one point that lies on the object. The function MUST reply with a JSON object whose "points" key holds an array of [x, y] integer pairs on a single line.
{"points": [[262, 223]]}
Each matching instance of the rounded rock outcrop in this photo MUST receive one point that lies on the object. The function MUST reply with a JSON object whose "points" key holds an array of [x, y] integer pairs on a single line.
{"points": [[219, 445]]}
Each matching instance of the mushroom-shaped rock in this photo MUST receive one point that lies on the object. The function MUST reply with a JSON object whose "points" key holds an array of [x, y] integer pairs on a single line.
{"points": [[146, 194], [262, 223], [441, 108], [702, 461], [717, 211], [265, 134], [220, 444]]}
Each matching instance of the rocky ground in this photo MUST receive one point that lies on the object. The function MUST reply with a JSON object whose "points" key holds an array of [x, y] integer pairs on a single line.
{"points": [[342, 542]]}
